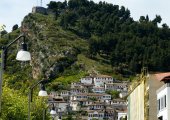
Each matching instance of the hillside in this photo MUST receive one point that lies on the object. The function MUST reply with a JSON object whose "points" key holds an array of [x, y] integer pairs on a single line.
{"points": [[112, 33]]}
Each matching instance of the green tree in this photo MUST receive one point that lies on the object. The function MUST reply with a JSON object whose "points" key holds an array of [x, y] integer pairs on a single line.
{"points": [[15, 27], [113, 93]]}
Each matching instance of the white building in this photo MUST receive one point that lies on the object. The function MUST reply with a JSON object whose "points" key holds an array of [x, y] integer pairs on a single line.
{"points": [[163, 98], [86, 96], [97, 114], [75, 105], [87, 80], [108, 114], [121, 114], [98, 89], [97, 80], [75, 91], [116, 86]]}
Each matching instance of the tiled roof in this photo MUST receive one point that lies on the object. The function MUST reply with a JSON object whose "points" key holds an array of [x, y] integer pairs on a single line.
{"points": [[103, 76], [101, 110], [91, 94], [163, 76], [122, 111], [119, 100]]}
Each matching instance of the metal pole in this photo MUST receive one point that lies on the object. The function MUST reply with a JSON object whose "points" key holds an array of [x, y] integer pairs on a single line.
{"points": [[2, 66], [44, 114], [30, 96], [29, 104], [1, 77]]}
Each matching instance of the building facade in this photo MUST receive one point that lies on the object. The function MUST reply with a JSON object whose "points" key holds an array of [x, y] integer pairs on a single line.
{"points": [[142, 99], [163, 100]]}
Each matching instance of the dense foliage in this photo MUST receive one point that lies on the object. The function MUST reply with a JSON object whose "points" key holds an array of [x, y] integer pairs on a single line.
{"points": [[113, 34], [17, 78]]}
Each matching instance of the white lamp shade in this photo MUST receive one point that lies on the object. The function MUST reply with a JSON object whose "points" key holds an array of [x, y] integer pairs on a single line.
{"points": [[53, 112], [23, 56], [42, 93]]}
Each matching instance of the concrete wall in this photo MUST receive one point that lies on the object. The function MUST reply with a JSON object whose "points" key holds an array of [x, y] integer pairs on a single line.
{"points": [[136, 103], [154, 85]]}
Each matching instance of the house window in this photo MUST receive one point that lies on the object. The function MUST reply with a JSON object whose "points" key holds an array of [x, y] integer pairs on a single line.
{"points": [[158, 105], [165, 101], [161, 103]]}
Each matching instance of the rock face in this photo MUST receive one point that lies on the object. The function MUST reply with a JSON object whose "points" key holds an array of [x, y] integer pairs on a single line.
{"points": [[52, 48]]}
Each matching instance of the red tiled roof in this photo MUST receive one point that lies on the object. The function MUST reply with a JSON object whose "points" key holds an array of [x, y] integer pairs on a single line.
{"points": [[163, 76]]}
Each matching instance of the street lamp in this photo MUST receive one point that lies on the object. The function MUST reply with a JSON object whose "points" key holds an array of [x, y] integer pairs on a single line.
{"points": [[22, 55], [59, 114], [41, 93], [53, 111]]}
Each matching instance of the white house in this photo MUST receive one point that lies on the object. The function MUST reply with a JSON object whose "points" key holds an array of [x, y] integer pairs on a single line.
{"points": [[116, 86], [98, 89], [75, 105], [163, 98], [75, 91], [64, 93], [101, 114], [87, 80], [99, 80], [121, 114], [97, 114], [86, 96]]}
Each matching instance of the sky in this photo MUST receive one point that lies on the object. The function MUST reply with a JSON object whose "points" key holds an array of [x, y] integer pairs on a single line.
{"points": [[13, 11]]}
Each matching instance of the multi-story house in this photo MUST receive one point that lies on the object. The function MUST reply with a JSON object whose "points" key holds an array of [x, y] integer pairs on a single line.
{"points": [[75, 105], [96, 106], [75, 91], [97, 96], [98, 89], [116, 86], [87, 80], [64, 93], [119, 104], [101, 114], [100, 80], [76, 85], [142, 99], [97, 80], [163, 98], [121, 114]]}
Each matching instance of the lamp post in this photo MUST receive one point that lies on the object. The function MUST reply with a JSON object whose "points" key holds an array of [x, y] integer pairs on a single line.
{"points": [[53, 112], [42, 93], [22, 55], [59, 114]]}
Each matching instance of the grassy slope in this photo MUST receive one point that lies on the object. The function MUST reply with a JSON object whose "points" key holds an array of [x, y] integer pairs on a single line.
{"points": [[57, 41]]}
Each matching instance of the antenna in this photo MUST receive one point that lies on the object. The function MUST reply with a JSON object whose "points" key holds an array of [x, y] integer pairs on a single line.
{"points": [[41, 3]]}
